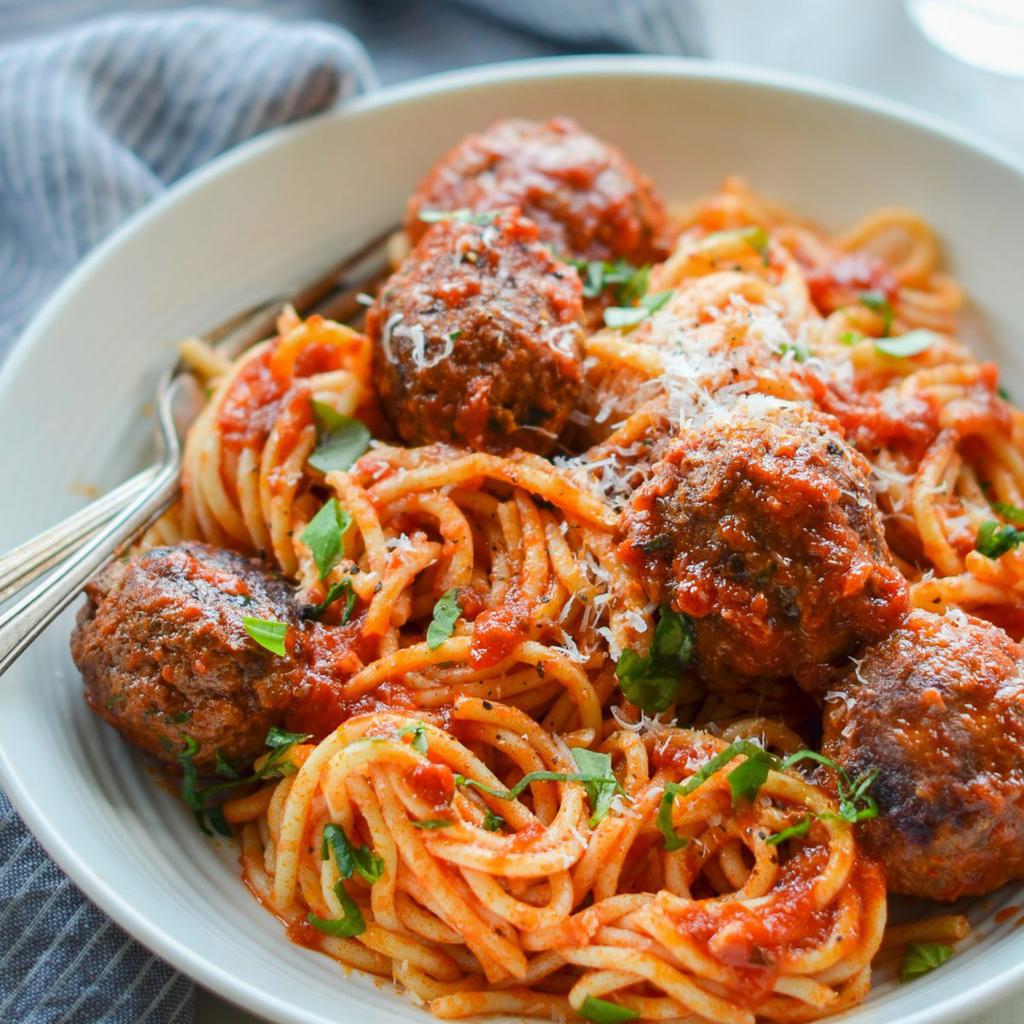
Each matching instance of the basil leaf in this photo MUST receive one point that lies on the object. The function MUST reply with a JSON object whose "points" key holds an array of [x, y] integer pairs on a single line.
{"points": [[223, 767], [744, 784], [800, 351], [463, 216], [923, 957], [419, 736], [335, 591], [323, 536], [851, 338], [601, 779], [351, 859], [651, 682], [854, 802], [878, 302], [799, 829], [629, 282], [746, 779], [277, 765], [598, 780], [446, 613], [430, 823], [340, 439], [267, 633], [600, 1011], [189, 789], [755, 237], [910, 344], [995, 539], [493, 822], [629, 316], [349, 924], [1011, 512]]}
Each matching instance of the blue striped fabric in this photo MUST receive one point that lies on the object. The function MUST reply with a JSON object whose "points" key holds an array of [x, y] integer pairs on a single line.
{"points": [[95, 122]]}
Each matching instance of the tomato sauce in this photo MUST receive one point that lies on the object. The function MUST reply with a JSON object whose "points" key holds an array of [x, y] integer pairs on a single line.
{"points": [[433, 783], [498, 632]]}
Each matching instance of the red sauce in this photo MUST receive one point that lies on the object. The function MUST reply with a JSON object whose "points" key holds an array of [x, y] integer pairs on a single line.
{"points": [[433, 783], [1005, 914], [302, 933], [840, 282], [498, 632]]}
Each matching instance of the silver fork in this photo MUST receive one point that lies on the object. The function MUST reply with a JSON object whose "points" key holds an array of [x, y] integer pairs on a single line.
{"points": [[88, 540]]}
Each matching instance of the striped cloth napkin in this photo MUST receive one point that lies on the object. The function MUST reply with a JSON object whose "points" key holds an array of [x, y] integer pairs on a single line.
{"points": [[94, 123]]}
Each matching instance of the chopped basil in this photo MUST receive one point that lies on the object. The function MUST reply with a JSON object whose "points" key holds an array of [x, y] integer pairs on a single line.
{"points": [[923, 957], [351, 859], [1003, 393], [755, 237], [1011, 512], [995, 539], [349, 924], [878, 302], [800, 351], [430, 823], [493, 822], [629, 282], [446, 612], [652, 681], [743, 786], [910, 344], [340, 439], [323, 536], [223, 767], [799, 829], [268, 633], [600, 1011], [419, 736], [598, 780], [455, 335], [851, 337], [193, 796], [620, 317], [854, 802], [334, 592], [278, 764], [746, 779], [463, 216]]}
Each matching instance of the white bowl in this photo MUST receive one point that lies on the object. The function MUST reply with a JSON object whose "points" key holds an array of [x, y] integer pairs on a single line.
{"points": [[75, 394]]}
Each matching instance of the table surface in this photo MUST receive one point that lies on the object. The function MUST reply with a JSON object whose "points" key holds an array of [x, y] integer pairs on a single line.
{"points": [[870, 44]]}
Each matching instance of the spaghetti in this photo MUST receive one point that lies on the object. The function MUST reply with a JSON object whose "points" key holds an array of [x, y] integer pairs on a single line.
{"points": [[408, 829]]}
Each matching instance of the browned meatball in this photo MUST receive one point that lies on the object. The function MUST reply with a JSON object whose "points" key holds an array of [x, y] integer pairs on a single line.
{"points": [[584, 196], [165, 656], [938, 708], [477, 338], [761, 527]]}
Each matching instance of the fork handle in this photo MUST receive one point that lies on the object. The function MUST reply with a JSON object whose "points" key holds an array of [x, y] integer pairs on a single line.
{"points": [[27, 561], [32, 614]]}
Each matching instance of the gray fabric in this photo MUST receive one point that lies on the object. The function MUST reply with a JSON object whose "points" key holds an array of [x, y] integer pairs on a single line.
{"points": [[94, 122]]}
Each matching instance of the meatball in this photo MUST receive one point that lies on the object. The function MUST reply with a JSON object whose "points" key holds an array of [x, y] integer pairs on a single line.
{"points": [[938, 708], [165, 657], [761, 527], [477, 338], [585, 198]]}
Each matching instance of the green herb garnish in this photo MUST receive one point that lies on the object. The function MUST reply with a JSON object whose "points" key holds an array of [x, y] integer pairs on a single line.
{"points": [[350, 859], [1011, 512], [419, 736], [323, 536], [878, 302], [342, 588], [598, 780], [349, 924], [442, 625], [906, 345], [854, 802], [493, 822], [340, 439], [268, 633], [652, 681], [430, 823], [620, 317], [600, 1011], [755, 237], [629, 282], [923, 957], [799, 829], [463, 216], [995, 539]]}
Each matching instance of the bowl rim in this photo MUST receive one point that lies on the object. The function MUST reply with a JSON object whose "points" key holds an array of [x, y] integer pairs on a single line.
{"points": [[180, 955]]}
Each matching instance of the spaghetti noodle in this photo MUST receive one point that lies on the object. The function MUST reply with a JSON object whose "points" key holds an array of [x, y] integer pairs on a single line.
{"points": [[403, 841]]}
